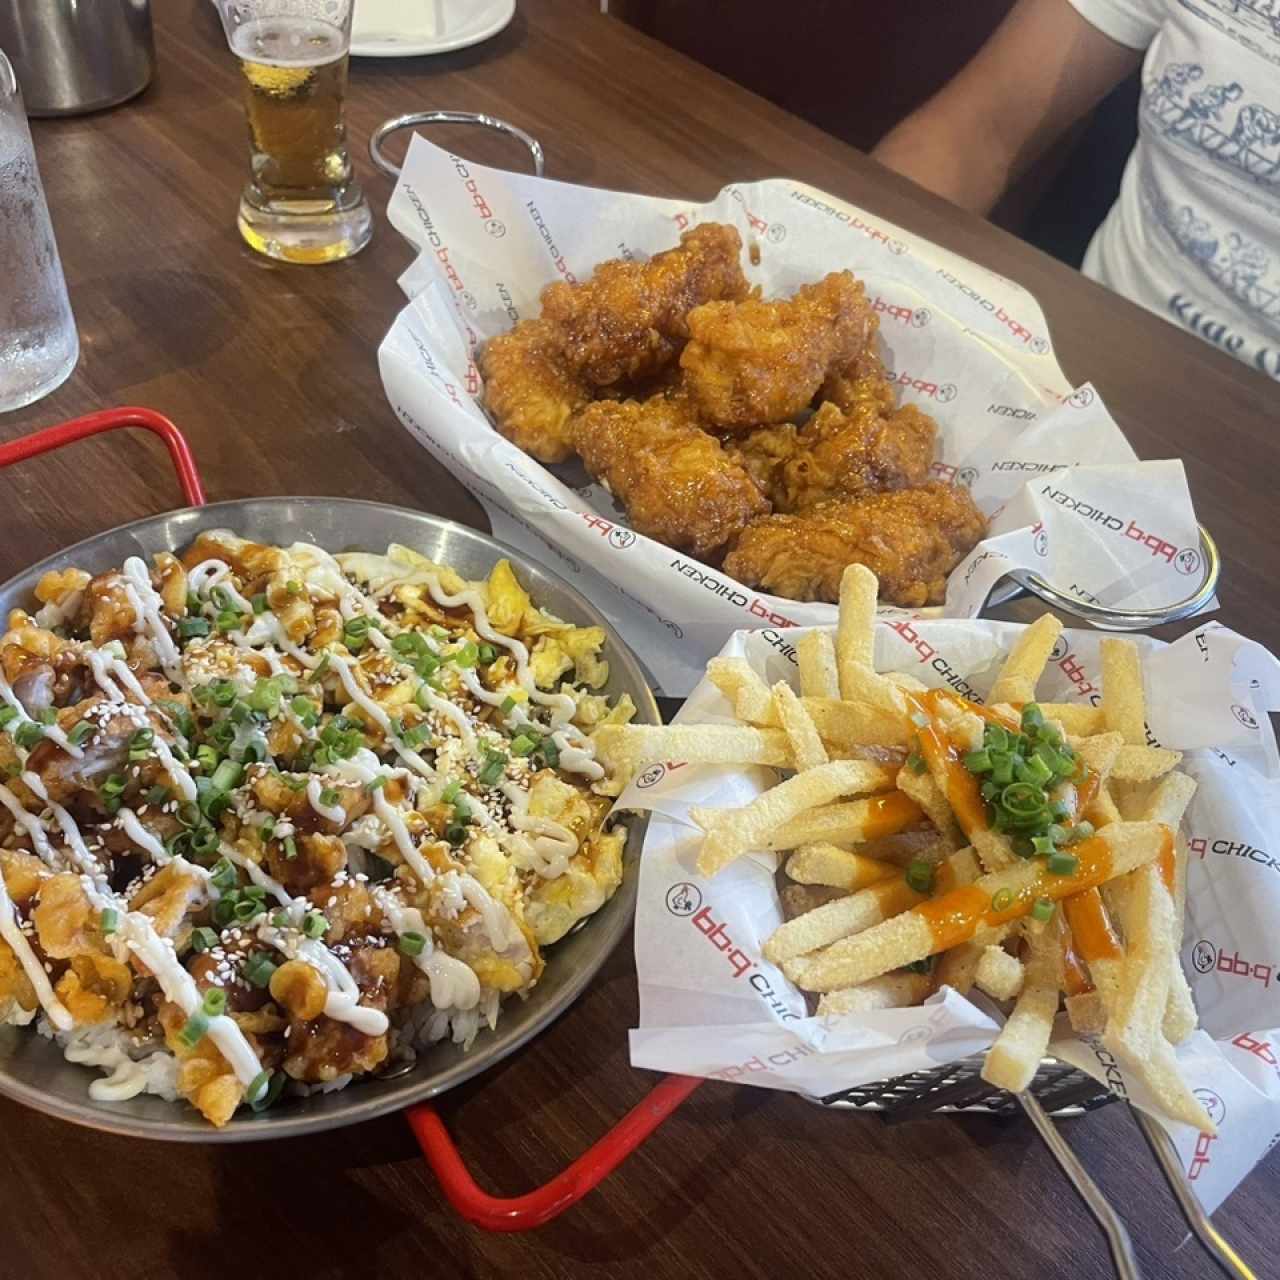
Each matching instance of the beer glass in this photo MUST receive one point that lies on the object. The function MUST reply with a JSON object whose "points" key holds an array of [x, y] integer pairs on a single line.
{"points": [[302, 202]]}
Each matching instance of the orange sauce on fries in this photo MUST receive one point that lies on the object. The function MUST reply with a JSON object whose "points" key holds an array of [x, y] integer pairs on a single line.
{"points": [[889, 814], [1091, 928], [945, 757], [1075, 978], [955, 917], [1167, 862]]}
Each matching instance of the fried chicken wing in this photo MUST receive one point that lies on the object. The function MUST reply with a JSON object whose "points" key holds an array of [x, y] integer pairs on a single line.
{"points": [[862, 380], [839, 455], [751, 363], [628, 320], [677, 482], [530, 391], [911, 539]]}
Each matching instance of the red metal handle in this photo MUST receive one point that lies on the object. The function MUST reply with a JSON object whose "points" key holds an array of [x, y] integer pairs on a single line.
{"points": [[93, 424], [537, 1208]]}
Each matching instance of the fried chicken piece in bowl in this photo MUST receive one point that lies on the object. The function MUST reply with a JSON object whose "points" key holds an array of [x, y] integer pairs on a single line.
{"points": [[911, 539], [839, 455], [677, 483], [751, 363], [628, 321], [530, 391]]}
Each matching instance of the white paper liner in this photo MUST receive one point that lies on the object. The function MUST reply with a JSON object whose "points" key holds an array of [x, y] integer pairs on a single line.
{"points": [[711, 1005], [1064, 491]]}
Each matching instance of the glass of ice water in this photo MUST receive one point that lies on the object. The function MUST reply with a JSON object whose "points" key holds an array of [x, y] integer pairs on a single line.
{"points": [[38, 341]]}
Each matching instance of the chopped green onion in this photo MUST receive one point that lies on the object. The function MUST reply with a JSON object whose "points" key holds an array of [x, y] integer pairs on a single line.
{"points": [[224, 875], [48, 716], [207, 758], [114, 785], [194, 603], [141, 743], [81, 733], [222, 692], [195, 1029], [1062, 864], [494, 767], [416, 736], [455, 833], [227, 775], [273, 1091], [1022, 799], [487, 654], [227, 620], [258, 1087], [450, 793], [462, 808], [280, 920], [996, 736], [254, 891], [215, 1002], [465, 656], [1081, 831], [1023, 847], [203, 939], [1042, 909], [258, 969], [290, 848], [109, 921], [1043, 844], [28, 733], [408, 644], [550, 752], [315, 926], [917, 763], [412, 944], [190, 628], [302, 706], [158, 795], [1032, 718], [265, 696], [259, 602], [523, 745], [224, 910], [978, 761], [247, 908], [990, 790], [920, 875], [1001, 767], [7, 715], [1002, 901], [329, 796], [507, 705], [179, 716], [204, 841], [1033, 771], [376, 784], [294, 588]]}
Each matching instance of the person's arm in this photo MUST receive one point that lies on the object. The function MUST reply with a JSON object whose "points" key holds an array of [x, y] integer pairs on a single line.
{"points": [[1040, 71]]}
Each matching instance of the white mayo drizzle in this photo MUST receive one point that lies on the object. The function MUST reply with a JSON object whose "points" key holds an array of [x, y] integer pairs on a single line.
{"points": [[555, 844], [54, 615], [454, 984], [30, 962], [149, 618], [181, 778], [143, 838], [330, 812], [51, 731]]}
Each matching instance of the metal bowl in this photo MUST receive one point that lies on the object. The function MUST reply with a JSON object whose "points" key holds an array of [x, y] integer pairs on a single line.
{"points": [[33, 1070]]}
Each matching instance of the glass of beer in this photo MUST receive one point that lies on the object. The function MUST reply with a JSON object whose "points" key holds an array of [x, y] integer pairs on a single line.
{"points": [[302, 202]]}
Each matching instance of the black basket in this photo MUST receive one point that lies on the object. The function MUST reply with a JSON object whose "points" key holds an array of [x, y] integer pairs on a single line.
{"points": [[1062, 1090]]}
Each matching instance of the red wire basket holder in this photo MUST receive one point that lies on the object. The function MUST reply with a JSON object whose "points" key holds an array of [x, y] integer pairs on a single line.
{"points": [[493, 1213]]}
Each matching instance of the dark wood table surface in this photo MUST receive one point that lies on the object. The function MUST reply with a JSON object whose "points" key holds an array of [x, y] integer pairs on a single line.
{"points": [[270, 371]]}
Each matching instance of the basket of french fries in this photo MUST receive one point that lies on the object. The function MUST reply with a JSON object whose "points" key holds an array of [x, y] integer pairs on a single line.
{"points": [[882, 855]]}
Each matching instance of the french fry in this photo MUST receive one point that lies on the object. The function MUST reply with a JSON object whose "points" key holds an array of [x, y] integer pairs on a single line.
{"points": [[856, 629], [730, 833], [959, 966], [826, 864], [1143, 763], [1180, 1017], [1123, 697], [1026, 661], [807, 750], [1077, 718], [861, 910], [861, 684], [748, 693], [905, 681], [969, 913], [999, 974], [892, 991], [1013, 1059], [1096, 942], [858, 724], [633, 745], [928, 795], [1086, 1013], [798, 898], [851, 823], [816, 657]]}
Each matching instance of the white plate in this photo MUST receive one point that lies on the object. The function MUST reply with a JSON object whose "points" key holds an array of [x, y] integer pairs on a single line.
{"points": [[410, 28]]}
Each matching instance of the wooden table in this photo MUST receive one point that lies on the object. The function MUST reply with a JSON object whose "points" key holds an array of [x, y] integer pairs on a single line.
{"points": [[270, 371]]}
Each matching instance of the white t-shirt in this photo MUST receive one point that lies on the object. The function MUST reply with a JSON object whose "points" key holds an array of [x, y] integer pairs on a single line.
{"points": [[1195, 232]]}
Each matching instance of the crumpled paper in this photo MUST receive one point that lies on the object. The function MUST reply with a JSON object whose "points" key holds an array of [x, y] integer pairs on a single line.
{"points": [[1064, 491], [711, 1005]]}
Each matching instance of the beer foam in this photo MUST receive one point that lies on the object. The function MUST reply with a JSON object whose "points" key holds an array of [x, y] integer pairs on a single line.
{"points": [[288, 42]]}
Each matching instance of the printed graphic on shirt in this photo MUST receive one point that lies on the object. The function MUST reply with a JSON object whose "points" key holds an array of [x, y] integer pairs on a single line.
{"points": [[1252, 23], [1218, 122]]}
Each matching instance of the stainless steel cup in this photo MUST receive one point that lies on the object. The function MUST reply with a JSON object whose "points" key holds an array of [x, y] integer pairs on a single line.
{"points": [[73, 56]]}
